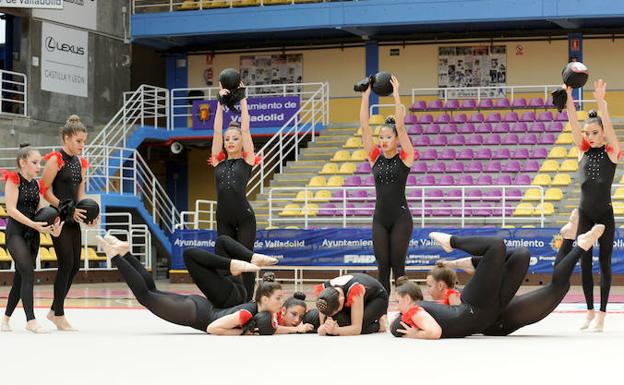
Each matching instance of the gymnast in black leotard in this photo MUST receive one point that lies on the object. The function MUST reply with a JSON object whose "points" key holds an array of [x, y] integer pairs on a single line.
{"points": [[599, 152], [233, 158], [190, 310], [22, 197], [392, 220]]}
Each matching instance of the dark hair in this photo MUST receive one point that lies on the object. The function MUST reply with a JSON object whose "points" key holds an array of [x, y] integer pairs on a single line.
{"points": [[390, 123], [328, 301], [72, 127], [24, 152], [405, 287], [445, 275], [298, 299], [267, 286], [592, 117]]}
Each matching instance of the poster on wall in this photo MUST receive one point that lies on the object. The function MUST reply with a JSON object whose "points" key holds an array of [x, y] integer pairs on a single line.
{"points": [[41, 4], [263, 70], [64, 60], [468, 66], [79, 13]]}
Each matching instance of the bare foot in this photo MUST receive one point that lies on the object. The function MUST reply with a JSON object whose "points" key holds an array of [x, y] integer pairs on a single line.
{"points": [[568, 231], [588, 319], [383, 324], [443, 239], [122, 247], [464, 264], [598, 326], [4, 325], [60, 322], [237, 267], [35, 327], [587, 240], [263, 260]]}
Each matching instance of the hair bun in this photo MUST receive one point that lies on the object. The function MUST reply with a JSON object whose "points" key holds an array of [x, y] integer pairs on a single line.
{"points": [[73, 119], [22, 145], [268, 277], [592, 114], [401, 280], [390, 120], [299, 295]]}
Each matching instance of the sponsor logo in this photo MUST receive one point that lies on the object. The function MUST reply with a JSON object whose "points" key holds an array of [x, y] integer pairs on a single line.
{"points": [[53, 45]]}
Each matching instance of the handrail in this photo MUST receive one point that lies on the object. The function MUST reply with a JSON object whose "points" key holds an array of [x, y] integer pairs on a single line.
{"points": [[145, 6], [480, 92], [13, 93]]}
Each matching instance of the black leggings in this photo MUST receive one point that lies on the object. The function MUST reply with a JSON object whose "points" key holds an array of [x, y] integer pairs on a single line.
{"points": [[532, 307], [586, 222], [391, 236], [211, 272], [244, 231], [373, 311], [23, 249], [67, 247]]}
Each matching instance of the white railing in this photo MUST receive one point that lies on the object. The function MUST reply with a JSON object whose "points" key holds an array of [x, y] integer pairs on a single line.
{"points": [[343, 213], [196, 220], [13, 93], [144, 6], [482, 92], [313, 111]]}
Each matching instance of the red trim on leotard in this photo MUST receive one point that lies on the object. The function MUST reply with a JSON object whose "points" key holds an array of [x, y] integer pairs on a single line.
{"points": [[449, 293], [10, 176], [374, 154], [584, 146], [59, 158], [318, 288], [257, 158], [214, 160], [403, 154], [280, 320], [244, 316], [407, 317], [610, 149], [42, 187], [84, 163], [355, 290]]}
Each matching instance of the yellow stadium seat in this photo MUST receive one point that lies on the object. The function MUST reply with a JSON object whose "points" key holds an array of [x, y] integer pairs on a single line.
{"points": [[622, 180], [3, 212], [353, 142], [581, 115], [376, 130], [317, 181], [523, 209], [570, 165], [329, 168], [271, 228], [302, 195], [557, 152], [376, 119], [567, 128], [291, 210], [47, 255], [93, 256], [341, 156], [4, 256], [189, 5], [564, 138], [358, 132], [347, 168], [310, 209], [358, 155], [561, 180], [322, 196], [541, 180], [532, 194], [547, 208], [549, 166], [528, 226], [2, 238], [618, 208], [619, 193], [573, 153], [553, 194], [215, 4], [245, 3], [335, 181], [508, 227], [45, 240], [292, 227]]}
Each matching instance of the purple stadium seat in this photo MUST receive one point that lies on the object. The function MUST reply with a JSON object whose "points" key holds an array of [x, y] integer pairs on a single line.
{"points": [[501, 153], [503, 180], [539, 153], [453, 103], [419, 105], [419, 168], [338, 195], [519, 127], [536, 102], [510, 139], [511, 166], [411, 119], [448, 128], [327, 210], [482, 210], [530, 139], [441, 211], [486, 103], [528, 116], [414, 194], [562, 116], [473, 195], [467, 211], [457, 140], [466, 180], [367, 209], [459, 118], [465, 154], [415, 129], [483, 128], [494, 117], [447, 180], [411, 180], [469, 103], [484, 180], [514, 194], [431, 129], [448, 154], [537, 127], [493, 166], [519, 103], [511, 116], [429, 154], [531, 166], [475, 140], [443, 118], [434, 193], [439, 140], [435, 104], [554, 127], [522, 179], [493, 195], [545, 116], [475, 166], [547, 138], [521, 153], [421, 141], [455, 167], [357, 195], [477, 117], [498, 210], [501, 127], [352, 180], [454, 195], [363, 168], [483, 153], [466, 128], [368, 180], [502, 103], [426, 119], [549, 103], [417, 210], [427, 180], [349, 209], [437, 167], [493, 140]]}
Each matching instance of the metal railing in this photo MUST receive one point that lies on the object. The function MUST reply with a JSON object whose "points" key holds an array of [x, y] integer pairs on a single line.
{"points": [[13, 93], [145, 6], [344, 214], [483, 92], [196, 220]]}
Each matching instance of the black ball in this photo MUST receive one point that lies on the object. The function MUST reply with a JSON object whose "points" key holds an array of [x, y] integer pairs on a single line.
{"points": [[47, 214], [381, 84], [575, 74], [396, 325], [93, 209], [230, 79], [265, 323], [312, 317]]}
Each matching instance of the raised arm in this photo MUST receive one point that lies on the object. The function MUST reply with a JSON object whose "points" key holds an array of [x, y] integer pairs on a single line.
{"points": [[577, 133], [367, 133], [600, 92], [217, 138], [399, 117], [248, 146]]}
